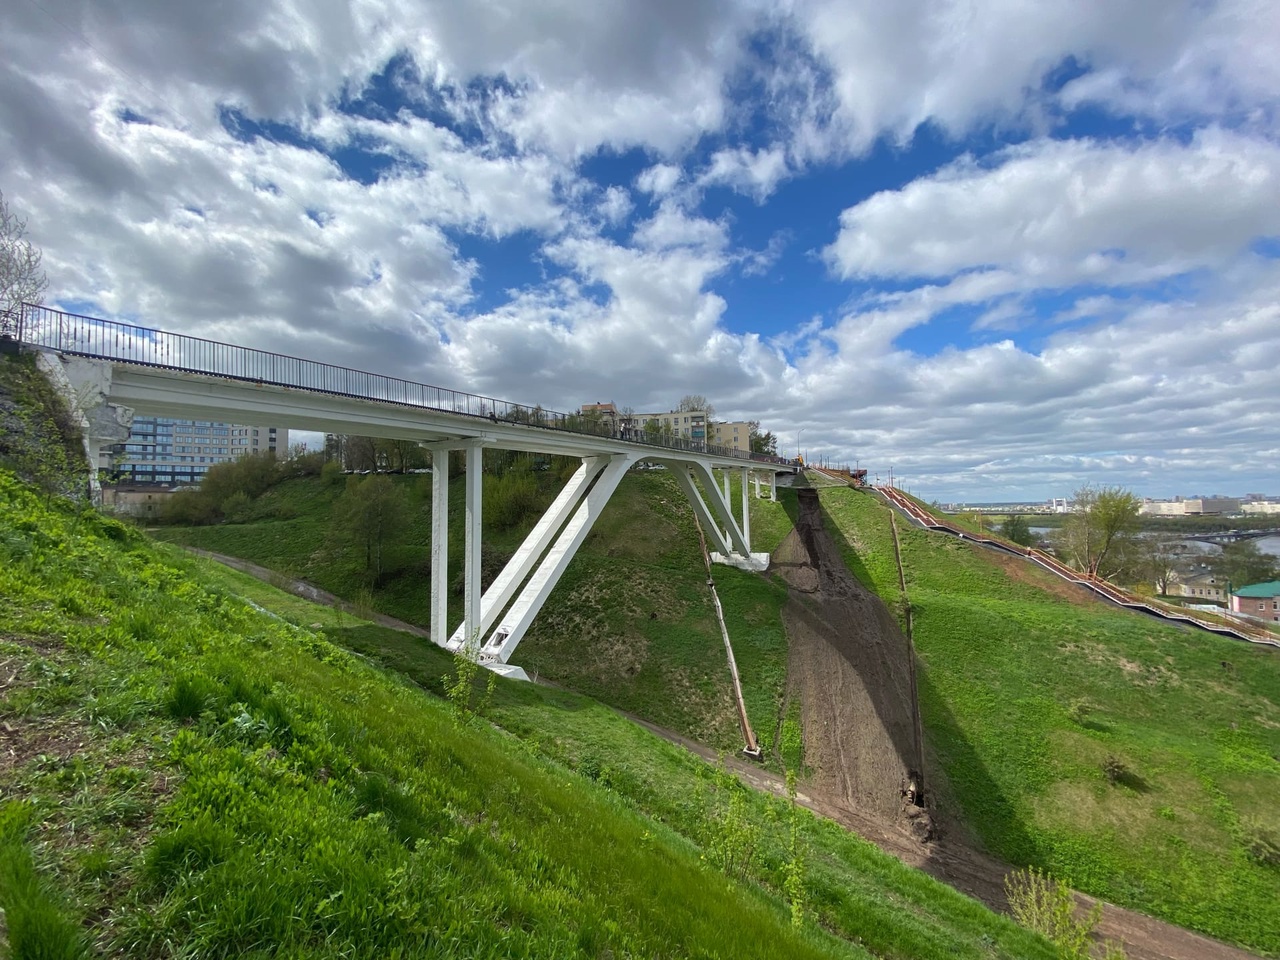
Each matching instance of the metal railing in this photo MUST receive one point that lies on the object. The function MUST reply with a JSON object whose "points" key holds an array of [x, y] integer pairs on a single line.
{"points": [[1097, 584], [92, 337]]}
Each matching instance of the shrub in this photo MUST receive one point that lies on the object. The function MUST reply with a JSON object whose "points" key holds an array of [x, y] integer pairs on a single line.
{"points": [[1079, 710], [511, 499], [1261, 842], [331, 473], [1114, 769], [237, 508], [1040, 903], [305, 465], [189, 507]]}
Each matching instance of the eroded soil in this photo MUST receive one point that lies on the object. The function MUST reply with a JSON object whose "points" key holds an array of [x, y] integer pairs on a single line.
{"points": [[850, 665]]}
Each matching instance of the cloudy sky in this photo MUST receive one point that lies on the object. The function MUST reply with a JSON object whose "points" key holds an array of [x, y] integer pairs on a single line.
{"points": [[1003, 246]]}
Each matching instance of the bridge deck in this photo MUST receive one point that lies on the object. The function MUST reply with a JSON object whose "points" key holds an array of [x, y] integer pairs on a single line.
{"points": [[442, 413]]}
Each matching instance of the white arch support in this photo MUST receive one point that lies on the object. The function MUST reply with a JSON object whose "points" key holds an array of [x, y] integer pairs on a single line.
{"points": [[521, 564]]}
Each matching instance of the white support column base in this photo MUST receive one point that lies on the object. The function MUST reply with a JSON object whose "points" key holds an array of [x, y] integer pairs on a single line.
{"points": [[508, 670], [756, 562]]}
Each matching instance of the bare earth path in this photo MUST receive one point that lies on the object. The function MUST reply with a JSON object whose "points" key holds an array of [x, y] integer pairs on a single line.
{"points": [[886, 821]]}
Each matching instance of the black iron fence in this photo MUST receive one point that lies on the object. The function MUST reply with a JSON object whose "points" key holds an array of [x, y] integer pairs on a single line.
{"points": [[71, 333]]}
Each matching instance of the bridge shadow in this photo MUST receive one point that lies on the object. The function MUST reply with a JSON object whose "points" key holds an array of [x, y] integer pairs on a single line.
{"points": [[969, 806]]}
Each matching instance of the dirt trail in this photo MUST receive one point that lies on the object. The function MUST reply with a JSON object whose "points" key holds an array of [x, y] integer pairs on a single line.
{"points": [[850, 666], [971, 872]]}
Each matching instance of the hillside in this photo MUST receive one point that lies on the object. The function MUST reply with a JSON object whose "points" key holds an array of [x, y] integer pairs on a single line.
{"points": [[1137, 759], [631, 621], [1133, 758], [185, 773]]}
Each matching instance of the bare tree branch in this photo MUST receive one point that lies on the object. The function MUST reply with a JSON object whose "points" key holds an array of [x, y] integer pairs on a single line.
{"points": [[21, 279]]}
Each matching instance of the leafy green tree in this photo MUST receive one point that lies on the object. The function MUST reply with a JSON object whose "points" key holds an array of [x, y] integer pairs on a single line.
{"points": [[765, 443], [1243, 564], [1100, 537], [371, 517], [1016, 528]]}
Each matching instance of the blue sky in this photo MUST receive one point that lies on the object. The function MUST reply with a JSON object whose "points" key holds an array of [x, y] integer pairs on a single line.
{"points": [[1007, 248]]}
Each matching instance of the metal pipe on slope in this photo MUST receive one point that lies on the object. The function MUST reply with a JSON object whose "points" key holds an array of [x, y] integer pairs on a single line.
{"points": [[752, 749]]}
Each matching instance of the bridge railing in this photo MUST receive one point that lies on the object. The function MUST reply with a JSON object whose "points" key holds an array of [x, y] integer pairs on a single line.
{"points": [[78, 335]]}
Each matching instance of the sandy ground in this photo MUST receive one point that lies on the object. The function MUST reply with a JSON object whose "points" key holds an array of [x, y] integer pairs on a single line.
{"points": [[862, 748]]}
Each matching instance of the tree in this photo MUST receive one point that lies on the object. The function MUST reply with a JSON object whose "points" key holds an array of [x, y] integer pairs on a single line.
{"points": [[765, 443], [1242, 563], [695, 401], [1016, 528], [1101, 536], [1165, 557], [360, 453], [371, 515], [21, 279]]}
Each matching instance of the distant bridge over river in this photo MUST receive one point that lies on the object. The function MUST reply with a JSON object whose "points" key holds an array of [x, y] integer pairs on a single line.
{"points": [[1231, 536]]}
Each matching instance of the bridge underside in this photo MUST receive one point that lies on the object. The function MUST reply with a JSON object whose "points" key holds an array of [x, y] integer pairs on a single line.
{"points": [[497, 618]]}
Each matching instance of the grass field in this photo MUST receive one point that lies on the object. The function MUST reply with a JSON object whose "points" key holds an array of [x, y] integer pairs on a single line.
{"points": [[1029, 696], [194, 776], [631, 621]]}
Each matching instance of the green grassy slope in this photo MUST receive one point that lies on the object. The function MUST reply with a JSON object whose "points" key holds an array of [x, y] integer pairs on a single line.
{"points": [[197, 777], [1027, 694], [631, 621]]}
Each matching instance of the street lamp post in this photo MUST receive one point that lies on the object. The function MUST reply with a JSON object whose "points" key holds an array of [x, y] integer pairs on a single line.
{"points": [[799, 434]]}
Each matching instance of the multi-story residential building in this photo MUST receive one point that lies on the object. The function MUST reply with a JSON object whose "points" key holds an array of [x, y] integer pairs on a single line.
{"points": [[167, 450], [689, 424], [734, 433], [693, 425]]}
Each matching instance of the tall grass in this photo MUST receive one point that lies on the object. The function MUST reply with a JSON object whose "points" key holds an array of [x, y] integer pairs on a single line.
{"points": [[38, 924]]}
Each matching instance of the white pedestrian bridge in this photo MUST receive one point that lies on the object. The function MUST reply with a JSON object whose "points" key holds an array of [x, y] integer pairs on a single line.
{"points": [[114, 370]]}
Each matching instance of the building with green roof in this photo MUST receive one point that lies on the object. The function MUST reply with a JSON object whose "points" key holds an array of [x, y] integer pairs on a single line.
{"points": [[1259, 600]]}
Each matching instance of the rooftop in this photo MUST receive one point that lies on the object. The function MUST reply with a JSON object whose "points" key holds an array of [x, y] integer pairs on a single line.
{"points": [[1269, 589]]}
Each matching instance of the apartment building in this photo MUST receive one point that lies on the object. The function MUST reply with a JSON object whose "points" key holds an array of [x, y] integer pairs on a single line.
{"points": [[693, 425], [689, 424], [734, 433], [170, 451]]}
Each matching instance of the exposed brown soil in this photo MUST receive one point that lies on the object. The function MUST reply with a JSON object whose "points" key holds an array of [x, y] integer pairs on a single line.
{"points": [[851, 667]]}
